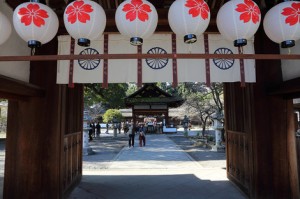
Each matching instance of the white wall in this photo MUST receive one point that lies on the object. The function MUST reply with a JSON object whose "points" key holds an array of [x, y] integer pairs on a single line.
{"points": [[290, 68], [13, 46]]}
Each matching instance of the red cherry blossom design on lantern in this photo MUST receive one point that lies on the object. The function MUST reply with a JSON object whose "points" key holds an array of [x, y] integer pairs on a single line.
{"points": [[137, 9], [292, 13], [249, 10], [33, 13], [198, 8], [79, 11]]}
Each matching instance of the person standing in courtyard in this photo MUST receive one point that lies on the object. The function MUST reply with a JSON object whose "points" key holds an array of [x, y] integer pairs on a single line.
{"points": [[126, 127], [98, 129], [131, 134], [106, 128], [93, 126], [91, 131], [119, 127]]}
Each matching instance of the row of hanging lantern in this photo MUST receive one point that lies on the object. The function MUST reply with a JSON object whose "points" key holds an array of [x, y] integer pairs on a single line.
{"points": [[85, 20]]}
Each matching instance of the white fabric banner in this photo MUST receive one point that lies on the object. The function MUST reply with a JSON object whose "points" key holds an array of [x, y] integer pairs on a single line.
{"points": [[64, 43], [89, 71], [229, 70], [191, 70], [85, 71], [121, 70], [155, 70]]}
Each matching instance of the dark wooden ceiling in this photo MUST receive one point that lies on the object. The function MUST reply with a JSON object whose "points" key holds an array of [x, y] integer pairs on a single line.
{"points": [[162, 7]]}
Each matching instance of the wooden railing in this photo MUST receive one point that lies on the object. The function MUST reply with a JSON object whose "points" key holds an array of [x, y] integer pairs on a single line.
{"points": [[72, 160], [238, 159]]}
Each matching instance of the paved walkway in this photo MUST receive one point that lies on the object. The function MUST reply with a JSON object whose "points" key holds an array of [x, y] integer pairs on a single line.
{"points": [[161, 170]]}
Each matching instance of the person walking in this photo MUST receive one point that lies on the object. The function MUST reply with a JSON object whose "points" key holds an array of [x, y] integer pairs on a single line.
{"points": [[98, 129], [119, 127], [126, 127], [93, 126], [91, 132], [142, 137], [131, 134]]}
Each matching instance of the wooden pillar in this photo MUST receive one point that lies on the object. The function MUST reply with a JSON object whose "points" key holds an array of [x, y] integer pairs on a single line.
{"points": [[269, 136], [32, 151], [292, 151], [35, 132]]}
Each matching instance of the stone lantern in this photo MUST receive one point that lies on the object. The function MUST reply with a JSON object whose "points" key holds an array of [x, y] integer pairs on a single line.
{"points": [[185, 123], [86, 149], [218, 128]]}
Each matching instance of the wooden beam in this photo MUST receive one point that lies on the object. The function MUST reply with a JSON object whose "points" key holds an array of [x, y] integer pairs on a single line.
{"points": [[154, 56], [15, 89], [289, 89]]}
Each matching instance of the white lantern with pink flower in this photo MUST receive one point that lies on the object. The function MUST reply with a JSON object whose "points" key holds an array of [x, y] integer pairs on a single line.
{"points": [[136, 19], [282, 23], [189, 18], [238, 20], [84, 20], [35, 23], [5, 28]]}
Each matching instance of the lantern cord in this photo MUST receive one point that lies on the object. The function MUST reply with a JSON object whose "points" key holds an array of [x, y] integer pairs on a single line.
{"points": [[242, 69], [32, 51], [241, 50], [190, 49]]}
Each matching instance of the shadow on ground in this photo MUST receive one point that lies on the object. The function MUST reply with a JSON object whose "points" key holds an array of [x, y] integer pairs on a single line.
{"points": [[185, 186]]}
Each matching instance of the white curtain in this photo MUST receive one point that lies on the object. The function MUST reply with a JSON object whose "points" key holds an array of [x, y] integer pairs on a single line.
{"points": [[155, 70]]}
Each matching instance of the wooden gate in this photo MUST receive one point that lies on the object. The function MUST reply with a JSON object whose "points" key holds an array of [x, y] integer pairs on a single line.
{"points": [[238, 130], [260, 137], [72, 125], [72, 160]]}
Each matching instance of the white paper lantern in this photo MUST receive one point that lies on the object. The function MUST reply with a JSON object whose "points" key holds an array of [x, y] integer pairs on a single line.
{"points": [[136, 19], [84, 20], [5, 28], [238, 20], [282, 23], [35, 23], [189, 18]]}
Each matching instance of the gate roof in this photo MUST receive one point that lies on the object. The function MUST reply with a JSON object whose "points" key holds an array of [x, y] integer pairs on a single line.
{"points": [[150, 94]]}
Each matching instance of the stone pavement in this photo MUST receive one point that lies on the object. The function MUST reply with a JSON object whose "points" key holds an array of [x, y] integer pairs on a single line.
{"points": [[161, 170]]}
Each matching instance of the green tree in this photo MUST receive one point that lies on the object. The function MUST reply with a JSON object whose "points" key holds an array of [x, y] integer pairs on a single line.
{"points": [[167, 87], [217, 94], [131, 89], [162, 85], [203, 101], [112, 97], [110, 114]]}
